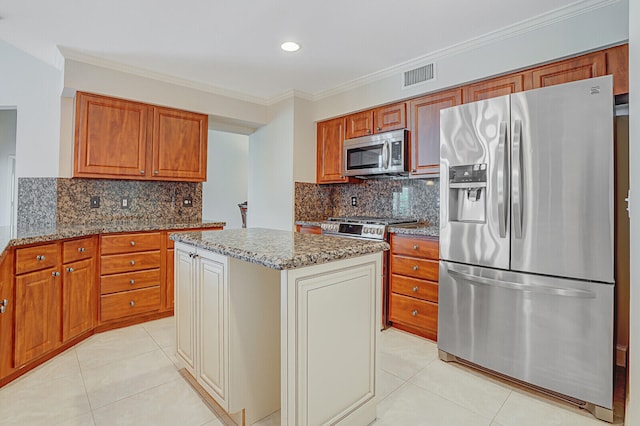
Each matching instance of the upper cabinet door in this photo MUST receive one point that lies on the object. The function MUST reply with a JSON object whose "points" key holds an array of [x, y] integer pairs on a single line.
{"points": [[179, 145], [495, 87], [330, 160], [618, 66], [580, 68], [391, 117], [424, 122], [359, 124], [111, 137]]}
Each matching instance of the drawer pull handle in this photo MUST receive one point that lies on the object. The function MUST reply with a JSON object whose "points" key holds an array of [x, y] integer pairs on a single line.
{"points": [[133, 262], [415, 267], [40, 257], [55, 274], [81, 249], [415, 289], [132, 303], [415, 247], [133, 243], [414, 312], [132, 281], [70, 269]]}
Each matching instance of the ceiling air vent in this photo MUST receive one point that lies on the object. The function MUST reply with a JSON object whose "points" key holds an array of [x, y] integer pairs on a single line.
{"points": [[419, 75]]}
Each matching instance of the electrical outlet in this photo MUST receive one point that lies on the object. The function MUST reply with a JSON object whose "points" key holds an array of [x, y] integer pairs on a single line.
{"points": [[124, 203], [95, 202], [187, 202], [354, 201]]}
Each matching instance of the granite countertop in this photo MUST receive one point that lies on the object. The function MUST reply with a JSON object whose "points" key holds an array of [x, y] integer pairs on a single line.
{"points": [[11, 237], [424, 229], [279, 249]]}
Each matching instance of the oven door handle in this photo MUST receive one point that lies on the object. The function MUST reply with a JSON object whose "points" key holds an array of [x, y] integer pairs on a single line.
{"points": [[386, 158]]}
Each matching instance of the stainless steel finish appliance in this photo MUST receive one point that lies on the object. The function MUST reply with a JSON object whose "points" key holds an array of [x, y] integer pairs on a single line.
{"points": [[526, 237], [369, 228], [378, 154]]}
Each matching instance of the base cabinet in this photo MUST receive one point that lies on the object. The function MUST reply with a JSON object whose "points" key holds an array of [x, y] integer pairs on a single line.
{"points": [[78, 298], [7, 303]]}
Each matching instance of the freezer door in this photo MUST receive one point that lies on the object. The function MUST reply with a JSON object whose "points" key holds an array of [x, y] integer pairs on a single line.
{"points": [[550, 332], [562, 180], [474, 183]]}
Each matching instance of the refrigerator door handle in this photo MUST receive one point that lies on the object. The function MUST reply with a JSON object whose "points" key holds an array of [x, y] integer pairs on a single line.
{"points": [[502, 182], [533, 288], [516, 175]]}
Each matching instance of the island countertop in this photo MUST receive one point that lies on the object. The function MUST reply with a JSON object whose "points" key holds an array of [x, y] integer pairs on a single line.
{"points": [[277, 249]]}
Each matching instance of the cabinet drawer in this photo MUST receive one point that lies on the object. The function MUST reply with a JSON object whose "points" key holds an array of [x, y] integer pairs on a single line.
{"points": [[78, 249], [36, 258], [129, 262], [414, 267], [417, 247], [127, 243], [129, 281], [126, 303], [414, 312], [413, 287]]}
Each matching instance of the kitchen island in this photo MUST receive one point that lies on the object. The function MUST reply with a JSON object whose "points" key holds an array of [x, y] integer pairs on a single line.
{"points": [[272, 320]]}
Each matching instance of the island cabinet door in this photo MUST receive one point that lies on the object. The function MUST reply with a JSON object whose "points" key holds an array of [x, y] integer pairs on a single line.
{"points": [[212, 365], [185, 302], [329, 353]]}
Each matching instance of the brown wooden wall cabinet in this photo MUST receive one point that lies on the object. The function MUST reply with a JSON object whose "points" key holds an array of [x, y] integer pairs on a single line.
{"points": [[378, 120], [424, 123], [413, 299], [330, 141], [121, 139], [424, 112]]}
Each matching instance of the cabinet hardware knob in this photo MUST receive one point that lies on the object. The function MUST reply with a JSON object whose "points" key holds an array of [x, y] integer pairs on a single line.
{"points": [[132, 303], [378, 129], [141, 172], [415, 289], [133, 243], [55, 274], [3, 306], [40, 257], [70, 269], [155, 172], [133, 262], [414, 312], [81, 249], [415, 267], [415, 247], [132, 281], [368, 131]]}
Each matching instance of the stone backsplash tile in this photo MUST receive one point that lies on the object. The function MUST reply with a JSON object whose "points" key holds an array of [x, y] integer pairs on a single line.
{"points": [[50, 201], [37, 202], [412, 198]]}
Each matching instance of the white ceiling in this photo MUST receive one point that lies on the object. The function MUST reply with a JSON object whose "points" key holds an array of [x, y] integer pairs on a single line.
{"points": [[234, 44]]}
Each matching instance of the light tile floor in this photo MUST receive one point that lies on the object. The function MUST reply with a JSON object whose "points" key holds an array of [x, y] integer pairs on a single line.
{"points": [[130, 377]]}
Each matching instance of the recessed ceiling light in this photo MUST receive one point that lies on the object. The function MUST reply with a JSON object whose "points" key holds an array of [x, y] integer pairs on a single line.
{"points": [[289, 46]]}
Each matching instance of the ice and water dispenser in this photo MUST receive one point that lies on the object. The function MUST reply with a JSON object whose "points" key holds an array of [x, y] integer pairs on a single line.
{"points": [[468, 193]]}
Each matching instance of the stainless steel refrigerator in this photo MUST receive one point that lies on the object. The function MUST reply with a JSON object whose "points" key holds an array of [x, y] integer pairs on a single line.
{"points": [[526, 283]]}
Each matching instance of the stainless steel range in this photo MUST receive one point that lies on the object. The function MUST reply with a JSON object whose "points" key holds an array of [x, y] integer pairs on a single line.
{"points": [[368, 228]]}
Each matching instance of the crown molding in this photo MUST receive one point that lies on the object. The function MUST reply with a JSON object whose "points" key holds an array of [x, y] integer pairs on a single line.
{"points": [[75, 55], [531, 24], [513, 30]]}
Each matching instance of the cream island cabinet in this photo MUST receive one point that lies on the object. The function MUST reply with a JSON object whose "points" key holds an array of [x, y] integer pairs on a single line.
{"points": [[272, 320]]}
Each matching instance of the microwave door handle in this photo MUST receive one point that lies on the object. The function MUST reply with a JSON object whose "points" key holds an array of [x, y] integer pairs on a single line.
{"points": [[385, 155]]}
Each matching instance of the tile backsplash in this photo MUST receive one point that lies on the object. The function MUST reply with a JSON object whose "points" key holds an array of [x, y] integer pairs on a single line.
{"points": [[47, 201], [413, 198]]}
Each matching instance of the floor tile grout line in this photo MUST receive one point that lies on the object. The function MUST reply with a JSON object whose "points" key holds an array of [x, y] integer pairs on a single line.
{"points": [[84, 385], [501, 407]]}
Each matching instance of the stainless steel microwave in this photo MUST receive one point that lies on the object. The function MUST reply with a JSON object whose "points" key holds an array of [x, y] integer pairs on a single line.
{"points": [[382, 153]]}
